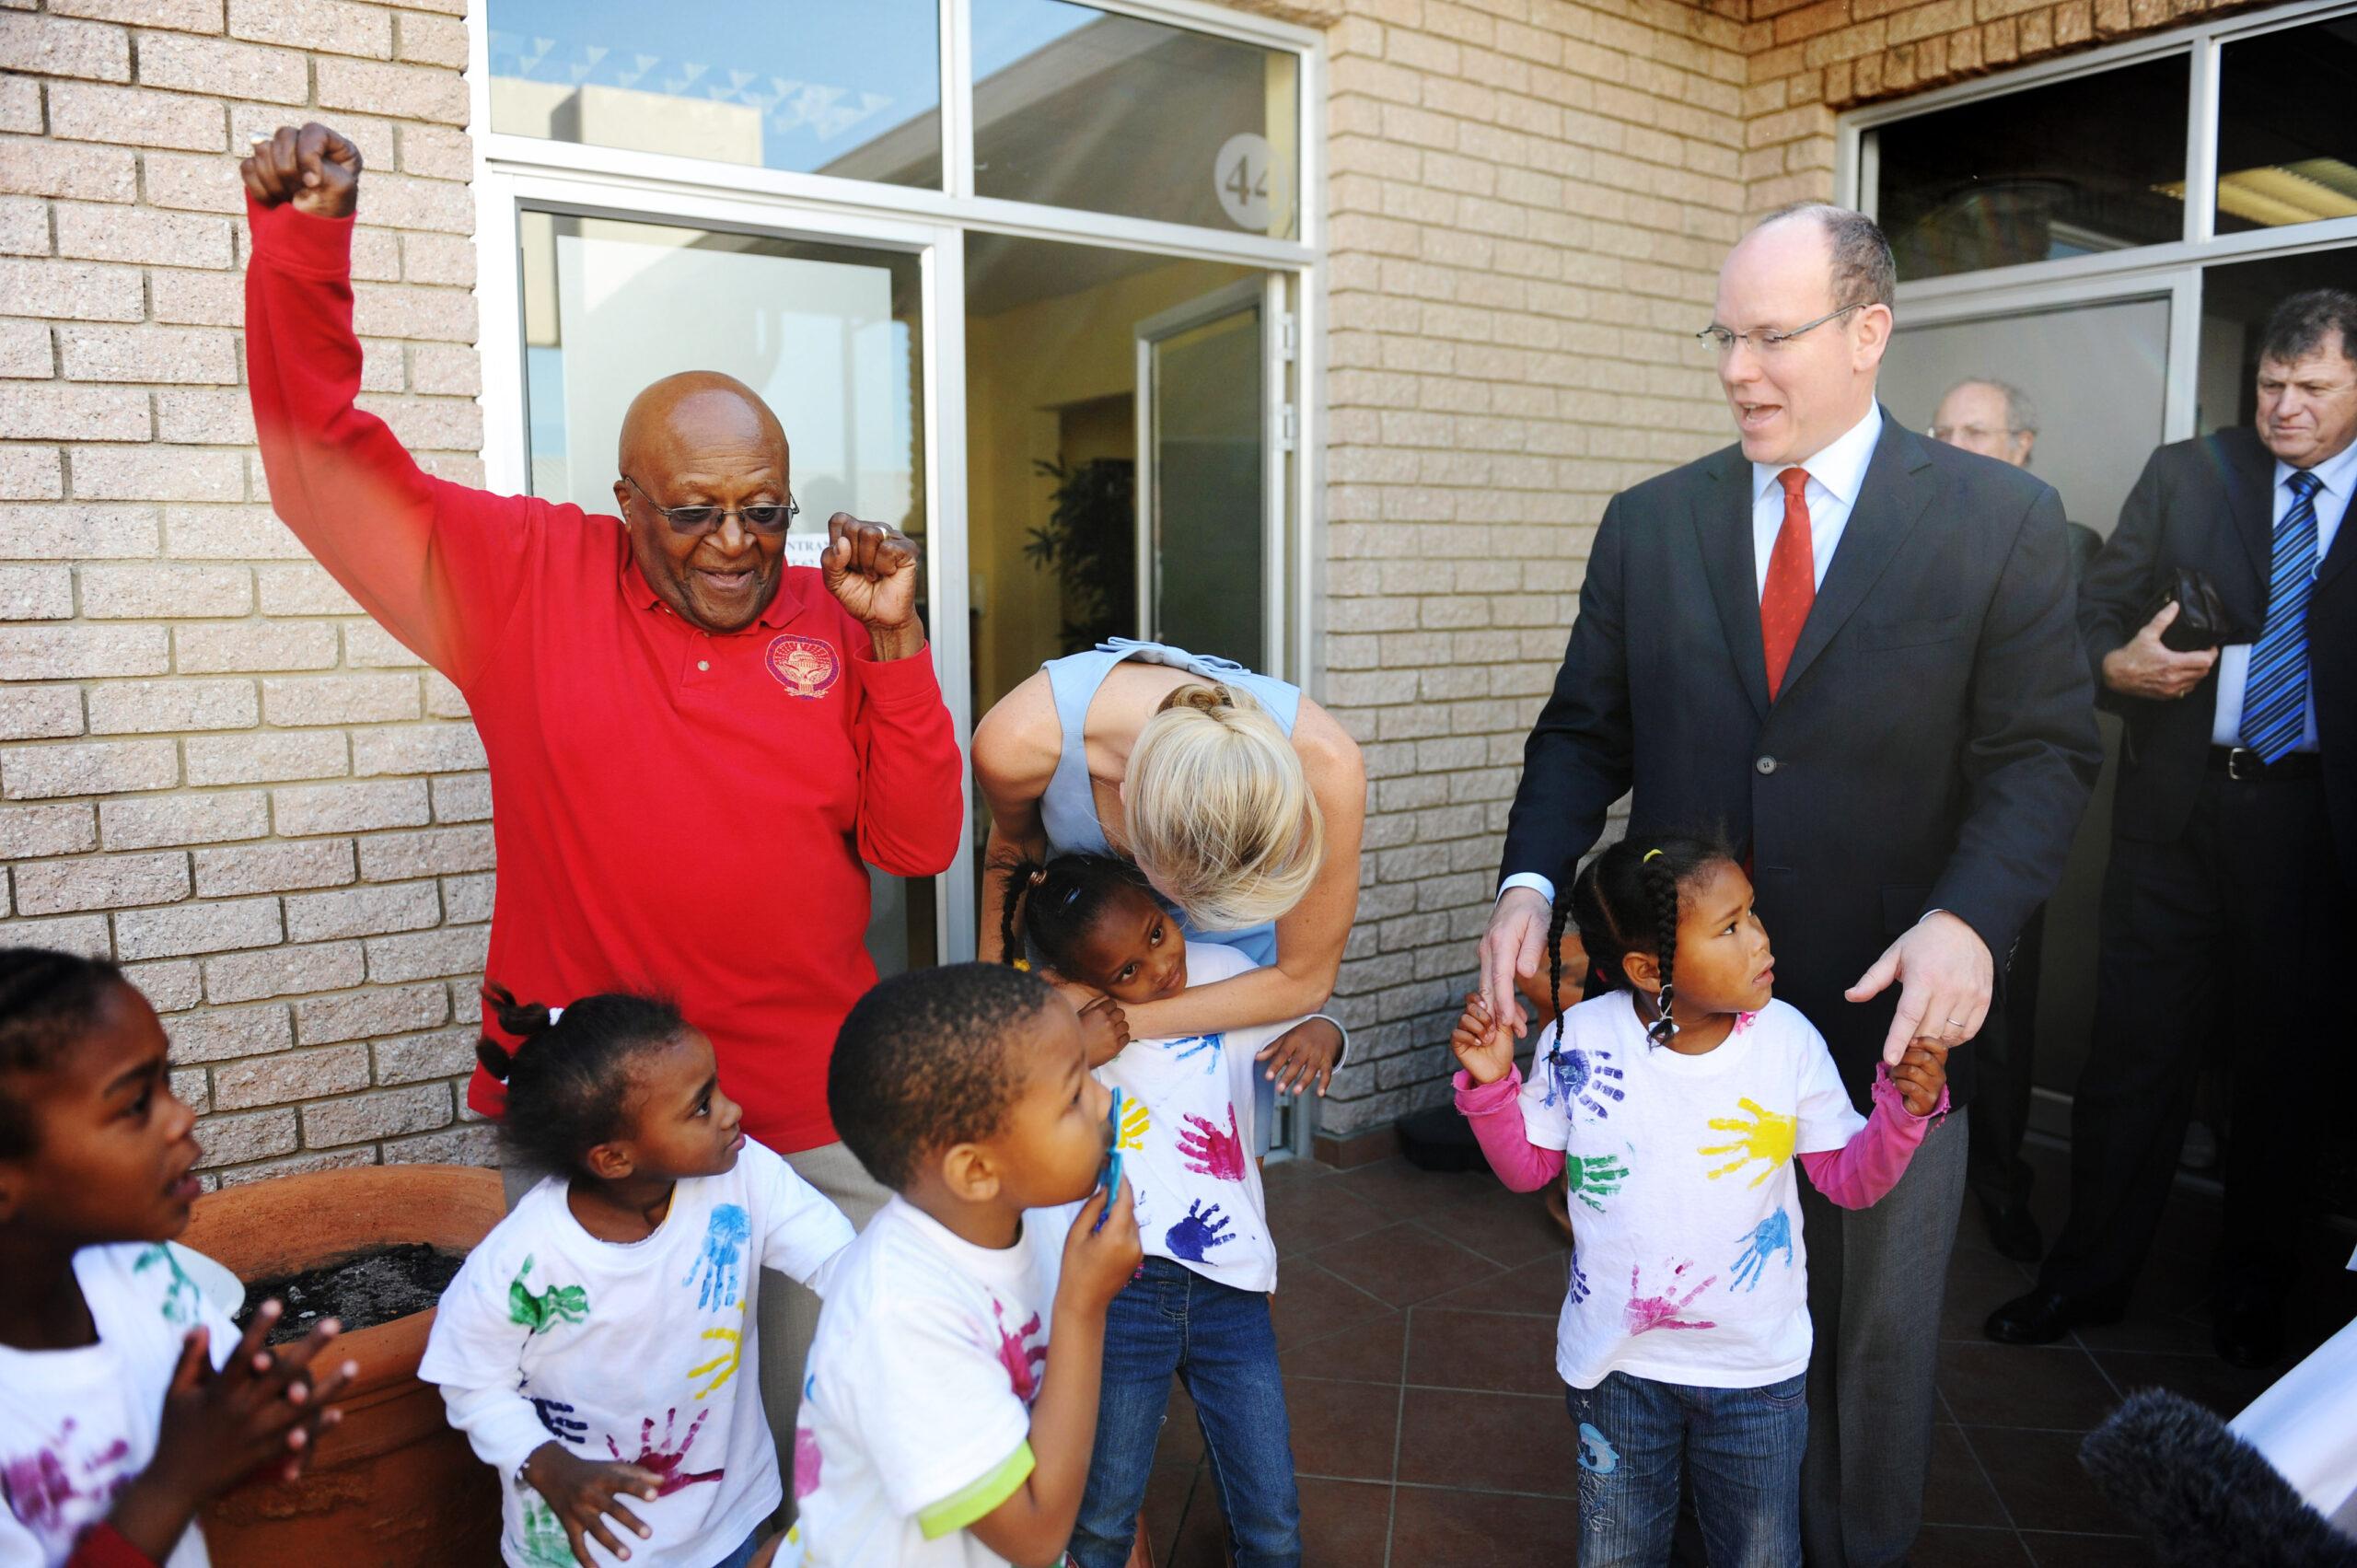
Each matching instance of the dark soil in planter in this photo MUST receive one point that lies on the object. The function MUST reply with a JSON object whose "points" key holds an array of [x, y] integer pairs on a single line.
{"points": [[361, 1291]]}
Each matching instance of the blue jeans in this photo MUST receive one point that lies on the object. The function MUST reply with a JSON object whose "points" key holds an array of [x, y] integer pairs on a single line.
{"points": [[1220, 1342], [1743, 1445], [743, 1554]]}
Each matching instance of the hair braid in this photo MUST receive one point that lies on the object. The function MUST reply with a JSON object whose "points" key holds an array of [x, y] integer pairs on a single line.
{"points": [[1555, 964], [1661, 887], [1021, 877]]}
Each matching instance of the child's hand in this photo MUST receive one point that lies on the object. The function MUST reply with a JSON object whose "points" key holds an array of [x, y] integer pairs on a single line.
{"points": [[1921, 1075], [1097, 1263], [264, 1408], [1104, 1031], [581, 1492], [1305, 1052], [1485, 1049]]}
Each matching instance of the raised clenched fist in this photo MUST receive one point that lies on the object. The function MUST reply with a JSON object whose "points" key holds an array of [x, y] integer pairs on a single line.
{"points": [[316, 168]]}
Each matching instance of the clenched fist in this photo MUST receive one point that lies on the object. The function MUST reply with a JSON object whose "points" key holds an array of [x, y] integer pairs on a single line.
{"points": [[316, 168]]}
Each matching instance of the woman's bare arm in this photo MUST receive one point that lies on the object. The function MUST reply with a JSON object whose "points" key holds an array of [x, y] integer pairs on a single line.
{"points": [[1015, 748]]}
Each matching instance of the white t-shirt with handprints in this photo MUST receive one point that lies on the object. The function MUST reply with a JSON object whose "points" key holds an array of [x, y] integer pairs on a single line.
{"points": [[76, 1425], [1688, 1264], [1188, 1137], [642, 1353]]}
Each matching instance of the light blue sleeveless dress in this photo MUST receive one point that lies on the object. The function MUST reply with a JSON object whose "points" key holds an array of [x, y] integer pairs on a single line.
{"points": [[1068, 808]]}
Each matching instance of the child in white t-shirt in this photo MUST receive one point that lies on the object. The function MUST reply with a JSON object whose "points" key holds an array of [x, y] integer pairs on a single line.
{"points": [[952, 1389], [127, 1399], [1676, 1101], [1199, 1309], [598, 1344]]}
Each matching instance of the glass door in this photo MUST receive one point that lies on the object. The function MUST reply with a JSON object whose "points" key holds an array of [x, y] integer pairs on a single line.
{"points": [[831, 334], [1210, 492]]}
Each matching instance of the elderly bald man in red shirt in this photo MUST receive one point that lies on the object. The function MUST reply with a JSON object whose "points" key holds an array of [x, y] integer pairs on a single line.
{"points": [[693, 747]]}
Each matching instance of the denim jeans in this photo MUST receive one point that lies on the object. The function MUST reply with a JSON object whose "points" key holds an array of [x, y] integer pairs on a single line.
{"points": [[1220, 1342], [743, 1554], [1743, 1446]]}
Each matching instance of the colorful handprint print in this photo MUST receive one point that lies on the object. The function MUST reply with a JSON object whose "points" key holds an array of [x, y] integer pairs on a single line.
{"points": [[1773, 1234], [809, 1462], [1650, 1312], [1205, 1046], [43, 1484], [558, 1304], [1136, 1121], [1210, 1152], [1201, 1229], [182, 1298], [1764, 1134], [668, 1464], [723, 1241], [724, 1366], [557, 1417], [1597, 1456], [1578, 1281], [1582, 1078], [1594, 1177], [545, 1544], [1022, 1359]]}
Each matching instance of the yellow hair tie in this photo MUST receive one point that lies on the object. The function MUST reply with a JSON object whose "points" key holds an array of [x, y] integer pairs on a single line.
{"points": [[1023, 964], [1649, 854]]}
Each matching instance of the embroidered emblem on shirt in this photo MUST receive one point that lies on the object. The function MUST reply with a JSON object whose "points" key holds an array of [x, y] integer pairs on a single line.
{"points": [[805, 667]]}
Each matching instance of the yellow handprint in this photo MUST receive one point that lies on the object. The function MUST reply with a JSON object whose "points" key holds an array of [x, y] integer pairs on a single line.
{"points": [[1134, 1122], [1768, 1135], [725, 1363]]}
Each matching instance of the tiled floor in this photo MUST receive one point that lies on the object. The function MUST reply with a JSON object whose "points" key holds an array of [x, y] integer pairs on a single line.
{"points": [[1415, 1316]]}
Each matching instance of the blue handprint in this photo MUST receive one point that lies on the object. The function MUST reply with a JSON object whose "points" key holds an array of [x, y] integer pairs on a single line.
{"points": [[1580, 1078], [1771, 1234], [559, 1419], [1579, 1280], [1205, 1046], [724, 1238], [1197, 1233]]}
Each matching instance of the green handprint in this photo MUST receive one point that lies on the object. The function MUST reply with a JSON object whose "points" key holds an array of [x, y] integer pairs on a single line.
{"points": [[1594, 1177], [182, 1299], [545, 1544], [558, 1304]]}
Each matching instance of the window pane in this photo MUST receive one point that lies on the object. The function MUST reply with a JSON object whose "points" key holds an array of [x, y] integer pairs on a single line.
{"points": [[1075, 107], [2287, 137], [2093, 163], [2237, 299], [850, 90]]}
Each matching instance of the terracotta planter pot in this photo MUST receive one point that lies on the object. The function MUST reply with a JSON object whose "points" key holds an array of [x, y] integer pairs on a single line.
{"points": [[394, 1486]]}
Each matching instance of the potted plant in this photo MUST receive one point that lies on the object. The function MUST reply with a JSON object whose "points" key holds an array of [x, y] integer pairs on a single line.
{"points": [[394, 1485]]}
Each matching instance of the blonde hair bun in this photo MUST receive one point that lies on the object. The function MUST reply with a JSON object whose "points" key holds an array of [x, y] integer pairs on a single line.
{"points": [[1219, 813]]}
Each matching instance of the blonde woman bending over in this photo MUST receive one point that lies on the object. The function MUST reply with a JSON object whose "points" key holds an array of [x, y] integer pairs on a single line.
{"points": [[1241, 800]]}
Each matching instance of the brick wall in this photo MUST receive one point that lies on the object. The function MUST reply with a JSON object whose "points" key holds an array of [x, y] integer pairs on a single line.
{"points": [[212, 766], [1528, 204]]}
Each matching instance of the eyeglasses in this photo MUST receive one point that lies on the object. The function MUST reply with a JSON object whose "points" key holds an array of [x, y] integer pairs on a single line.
{"points": [[770, 519], [1951, 432], [1723, 338]]}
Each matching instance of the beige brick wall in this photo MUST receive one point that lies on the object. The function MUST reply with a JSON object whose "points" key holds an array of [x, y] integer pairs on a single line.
{"points": [[212, 767], [1528, 202]]}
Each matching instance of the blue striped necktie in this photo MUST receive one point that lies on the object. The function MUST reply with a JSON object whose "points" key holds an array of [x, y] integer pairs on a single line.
{"points": [[2275, 693]]}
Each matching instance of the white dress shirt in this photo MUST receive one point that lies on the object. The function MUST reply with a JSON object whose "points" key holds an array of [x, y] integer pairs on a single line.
{"points": [[1835, 473], [2335, 475]]}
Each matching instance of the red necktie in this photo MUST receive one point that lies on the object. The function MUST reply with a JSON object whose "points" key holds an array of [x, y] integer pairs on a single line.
{"points": [[1792, 580]]}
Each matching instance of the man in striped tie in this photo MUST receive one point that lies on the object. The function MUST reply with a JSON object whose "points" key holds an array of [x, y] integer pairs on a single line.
{"points": [[2233, 842]]}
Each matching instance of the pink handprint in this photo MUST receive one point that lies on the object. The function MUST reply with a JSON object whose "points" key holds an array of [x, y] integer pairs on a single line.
{"points": [[667, 1462], [1022, 1361], [1647, 1312], [42, 1486], [1210, 1152], [808, 1462]]}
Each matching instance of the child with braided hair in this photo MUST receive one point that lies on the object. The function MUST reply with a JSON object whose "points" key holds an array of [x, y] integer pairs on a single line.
{"points": [[1677, 1098]]}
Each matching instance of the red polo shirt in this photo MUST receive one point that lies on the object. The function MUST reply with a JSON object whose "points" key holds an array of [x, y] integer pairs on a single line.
{"points": [[675, 811]]}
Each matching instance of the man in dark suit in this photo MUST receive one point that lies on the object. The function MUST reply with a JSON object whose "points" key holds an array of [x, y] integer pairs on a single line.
{"points": [[2233, 839], [1997, 420], [1850, 649]]}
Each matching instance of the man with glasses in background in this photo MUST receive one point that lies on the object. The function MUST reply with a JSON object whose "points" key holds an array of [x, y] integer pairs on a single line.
{"points": [[692, 746], [1997, 420], [1850, 649]]}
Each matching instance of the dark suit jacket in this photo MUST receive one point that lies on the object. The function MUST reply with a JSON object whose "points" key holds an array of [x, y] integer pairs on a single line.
{"points": [[1932, 746], [2210, 503]]}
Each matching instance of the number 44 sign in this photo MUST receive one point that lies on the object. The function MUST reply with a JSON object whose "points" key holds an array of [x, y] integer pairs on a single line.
{"points": [[1240, 174]]}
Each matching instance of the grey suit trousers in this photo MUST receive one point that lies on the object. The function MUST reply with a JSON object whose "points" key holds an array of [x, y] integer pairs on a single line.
{"points": [[1875, 1278]]}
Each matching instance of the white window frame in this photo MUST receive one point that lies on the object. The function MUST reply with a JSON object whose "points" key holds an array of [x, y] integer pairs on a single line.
{"points": [[512, 172], [2173, 268]]}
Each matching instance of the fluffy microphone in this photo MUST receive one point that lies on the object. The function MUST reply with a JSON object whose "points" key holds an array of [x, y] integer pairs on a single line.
{"points": [[2205, 1497]]}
